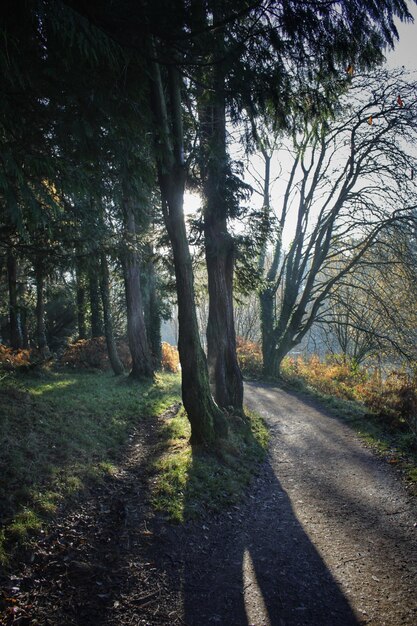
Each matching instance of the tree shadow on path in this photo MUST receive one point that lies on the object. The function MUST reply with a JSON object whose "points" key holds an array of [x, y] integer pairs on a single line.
{"points": [[257, 565]]}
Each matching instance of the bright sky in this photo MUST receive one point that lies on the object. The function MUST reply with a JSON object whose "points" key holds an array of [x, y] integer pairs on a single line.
{"points": [[405, 52]]}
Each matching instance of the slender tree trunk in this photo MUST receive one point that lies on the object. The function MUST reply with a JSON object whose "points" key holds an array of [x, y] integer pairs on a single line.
{"points": [[81, 301], [266, 300], [136, 329], [224, 371], [16, 334], [152, 312], [115, 361], [267, 294], [94, 293], [207, 421], [41, 341]]}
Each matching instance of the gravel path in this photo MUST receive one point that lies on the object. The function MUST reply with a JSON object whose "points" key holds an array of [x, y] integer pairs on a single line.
{"points": [[353, 507], [327, 536]]}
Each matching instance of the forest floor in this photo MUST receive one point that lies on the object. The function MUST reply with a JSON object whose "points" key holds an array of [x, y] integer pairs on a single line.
{"points": [[326, 536]]}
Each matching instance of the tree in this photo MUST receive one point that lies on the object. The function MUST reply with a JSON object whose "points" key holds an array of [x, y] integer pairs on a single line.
{"points": [[371, 311], [207, 421], [115, 361], [142, 366], [350, 179]]}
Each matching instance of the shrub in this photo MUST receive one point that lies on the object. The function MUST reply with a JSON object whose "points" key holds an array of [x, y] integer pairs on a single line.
{"points": [[333, 377], [393, 399], [170, 358], [13, 359], [92, 354], [249, 355]]}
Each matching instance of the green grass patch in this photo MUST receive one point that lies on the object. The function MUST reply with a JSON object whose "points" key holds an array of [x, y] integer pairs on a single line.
{"points": [[189, 482], [60, 430]]}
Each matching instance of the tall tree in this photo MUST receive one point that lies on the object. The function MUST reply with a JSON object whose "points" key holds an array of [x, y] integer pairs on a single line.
{"points": [[138, 342], [349, 179], [207, 421], [218, 207], [116, 364], [16, 331]]}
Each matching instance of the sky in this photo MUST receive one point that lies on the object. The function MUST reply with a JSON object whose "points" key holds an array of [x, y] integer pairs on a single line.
{"points": [[405, 52]]}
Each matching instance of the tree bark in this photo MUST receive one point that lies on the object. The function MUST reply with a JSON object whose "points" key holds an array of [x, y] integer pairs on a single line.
{"points": [[152, 312], [81, 301], [224, 371], [136, 329], [225, 375], [266, 300], [115, 361], [94, 293], [208, 423], [16, 334], [41, 342]]}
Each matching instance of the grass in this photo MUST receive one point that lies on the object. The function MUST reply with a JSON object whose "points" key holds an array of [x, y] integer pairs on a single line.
{"points": [[189, 482], [59, 431]]}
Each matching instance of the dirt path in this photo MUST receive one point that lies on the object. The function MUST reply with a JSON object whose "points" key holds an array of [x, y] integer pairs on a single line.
{"points": [[353, 507], [326, 537]]}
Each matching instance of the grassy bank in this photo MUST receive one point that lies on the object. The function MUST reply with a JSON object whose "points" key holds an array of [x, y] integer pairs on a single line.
{"points": [[60, 430], [189, 482]]}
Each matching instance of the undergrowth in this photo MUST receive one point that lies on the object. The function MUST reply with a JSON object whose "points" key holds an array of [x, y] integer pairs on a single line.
{"points": [[189, 482], [60, 430]]}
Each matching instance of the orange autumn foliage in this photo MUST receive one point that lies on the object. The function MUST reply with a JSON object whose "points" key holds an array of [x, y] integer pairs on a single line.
{"points": [[92, 353], [170, 358], [249, 355], [12, 359]]}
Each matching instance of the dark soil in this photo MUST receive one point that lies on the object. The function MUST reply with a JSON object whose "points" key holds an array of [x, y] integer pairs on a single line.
{"points": [[327, 536]]}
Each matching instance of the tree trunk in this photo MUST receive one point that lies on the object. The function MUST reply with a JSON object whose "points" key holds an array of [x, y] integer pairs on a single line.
{"points": [[266, 301], [279, 353], [136, 329], [224, 371], [115, 361], [152, 312], [94, 292], [207, 421], [81, 301], [16, 334], [41, 342]]}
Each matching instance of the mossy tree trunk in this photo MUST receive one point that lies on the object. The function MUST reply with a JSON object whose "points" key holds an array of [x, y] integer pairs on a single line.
{"points": [[208, 423], [114, 358], [136, 330], [16, 334]]}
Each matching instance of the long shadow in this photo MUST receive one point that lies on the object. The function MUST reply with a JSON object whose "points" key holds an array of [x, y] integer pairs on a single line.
{"points": [[113, 562], [257, 565]]}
